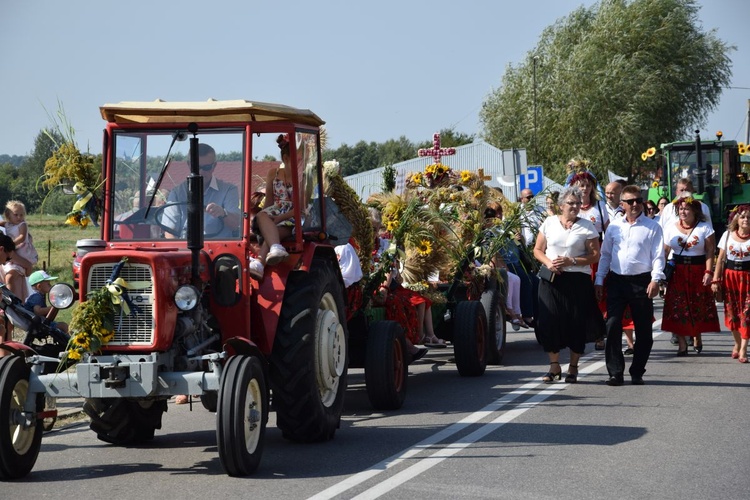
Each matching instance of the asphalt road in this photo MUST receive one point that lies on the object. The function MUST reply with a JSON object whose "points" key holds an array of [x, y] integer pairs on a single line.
{"points": [[503, 435]]}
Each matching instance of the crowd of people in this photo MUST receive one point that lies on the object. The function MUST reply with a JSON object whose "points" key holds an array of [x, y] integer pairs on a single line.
{"points": [[615, 253]]}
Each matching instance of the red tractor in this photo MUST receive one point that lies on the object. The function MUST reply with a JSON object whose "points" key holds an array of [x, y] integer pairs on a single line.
{"points": [[197, 321]]}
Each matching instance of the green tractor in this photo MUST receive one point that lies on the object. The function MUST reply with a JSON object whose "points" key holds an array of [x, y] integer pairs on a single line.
{"points": [[719, 174]]}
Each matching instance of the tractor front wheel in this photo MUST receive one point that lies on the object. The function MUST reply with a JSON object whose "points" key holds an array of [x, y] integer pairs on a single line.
{"points": [[242, 414], [20, 434]]}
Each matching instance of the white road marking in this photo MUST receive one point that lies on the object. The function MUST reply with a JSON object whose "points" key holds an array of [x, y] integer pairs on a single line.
{"points": [[450, 449]]}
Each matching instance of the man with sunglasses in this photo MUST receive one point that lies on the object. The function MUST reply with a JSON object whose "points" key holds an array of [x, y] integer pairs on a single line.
{"points": [[222, 217], [632, 260]]}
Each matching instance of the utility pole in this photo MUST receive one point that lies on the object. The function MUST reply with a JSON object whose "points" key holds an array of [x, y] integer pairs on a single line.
{"points": [[536, 151]]}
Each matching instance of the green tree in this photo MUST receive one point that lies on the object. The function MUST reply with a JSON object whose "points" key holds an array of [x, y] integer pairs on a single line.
{"points": [[27, 185], [607, 82], [389, 179]]}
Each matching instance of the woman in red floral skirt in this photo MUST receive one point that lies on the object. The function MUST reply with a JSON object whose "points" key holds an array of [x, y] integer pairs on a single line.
{"points": [[689, 306], [733, 273]]}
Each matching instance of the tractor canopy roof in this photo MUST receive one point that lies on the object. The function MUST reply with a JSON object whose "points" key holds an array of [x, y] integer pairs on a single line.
{"points": [[160, 111]]}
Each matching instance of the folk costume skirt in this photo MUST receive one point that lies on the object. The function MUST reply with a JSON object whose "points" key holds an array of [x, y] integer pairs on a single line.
{"points": [[401, 305], [737, 301], [568, 313], [689, 307]]}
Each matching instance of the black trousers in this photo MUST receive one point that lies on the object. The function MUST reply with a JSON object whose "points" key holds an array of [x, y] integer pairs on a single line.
{"points": [[630, 291]]}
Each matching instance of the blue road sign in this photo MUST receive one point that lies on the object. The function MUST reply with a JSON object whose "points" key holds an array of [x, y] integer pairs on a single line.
{"points": [[534, 179]]}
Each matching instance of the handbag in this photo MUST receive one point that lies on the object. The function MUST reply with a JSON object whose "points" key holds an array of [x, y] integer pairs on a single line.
{"points": [[545, 274]]}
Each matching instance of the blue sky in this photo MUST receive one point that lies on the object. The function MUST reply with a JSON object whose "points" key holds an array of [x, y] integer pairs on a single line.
{"points": [[372, 70]]}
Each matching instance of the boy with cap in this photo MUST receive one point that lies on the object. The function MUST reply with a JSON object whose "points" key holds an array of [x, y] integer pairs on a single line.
{"points": [[36, 302]]}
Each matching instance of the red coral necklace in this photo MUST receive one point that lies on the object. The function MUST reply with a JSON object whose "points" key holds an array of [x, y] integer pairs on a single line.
{"points": [[683, 226]]}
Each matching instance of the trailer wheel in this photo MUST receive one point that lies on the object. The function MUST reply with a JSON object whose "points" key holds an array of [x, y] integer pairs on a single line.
{"points": [[470, 338], [19, 444], [386, 365], [309, 358], [122, 422], [242, 414], [496, 327]]}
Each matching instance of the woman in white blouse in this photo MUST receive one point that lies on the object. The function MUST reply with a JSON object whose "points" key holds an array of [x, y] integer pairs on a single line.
{"points": [[567, 245]]}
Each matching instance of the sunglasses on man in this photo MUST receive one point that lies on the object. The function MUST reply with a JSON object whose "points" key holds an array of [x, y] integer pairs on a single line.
{"points": [[632, 201]]}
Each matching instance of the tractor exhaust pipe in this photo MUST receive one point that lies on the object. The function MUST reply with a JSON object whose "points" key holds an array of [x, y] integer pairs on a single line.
{"points": [[195, 207]]}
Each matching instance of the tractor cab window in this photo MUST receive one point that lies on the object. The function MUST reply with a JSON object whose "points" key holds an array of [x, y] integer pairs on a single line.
{"points": [[273, 155], [150, 196]]}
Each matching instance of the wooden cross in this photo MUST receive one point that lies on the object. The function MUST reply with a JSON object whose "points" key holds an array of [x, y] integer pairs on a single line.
{"points": [[436, 151], [482, 176]]}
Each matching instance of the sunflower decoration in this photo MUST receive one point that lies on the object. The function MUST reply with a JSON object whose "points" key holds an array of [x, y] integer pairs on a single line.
{"points": [[67, 167], [424, 248], [649, 153], [743, 148], [94, 321]]}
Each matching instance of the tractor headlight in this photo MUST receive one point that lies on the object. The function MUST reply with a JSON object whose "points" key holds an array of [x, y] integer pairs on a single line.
{"points": [[186, 297], [61, 296]]}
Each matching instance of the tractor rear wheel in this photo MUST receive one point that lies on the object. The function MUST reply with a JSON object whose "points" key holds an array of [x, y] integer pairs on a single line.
{"points": [[242, 414], [386, 365], [19, 444], [470, 338], [309, 358]]}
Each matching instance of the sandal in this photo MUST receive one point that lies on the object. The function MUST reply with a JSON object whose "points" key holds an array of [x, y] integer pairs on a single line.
{"points": [[550, 377], [572, 378], [434, 342]]}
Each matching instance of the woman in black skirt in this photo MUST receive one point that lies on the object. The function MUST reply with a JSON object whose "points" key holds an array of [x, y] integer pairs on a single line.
{"points": [[567, 245]]}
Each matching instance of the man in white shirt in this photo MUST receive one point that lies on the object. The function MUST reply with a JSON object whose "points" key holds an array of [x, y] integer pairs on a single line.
{"points": [[612, 192], [632, 260], [683, 189]]}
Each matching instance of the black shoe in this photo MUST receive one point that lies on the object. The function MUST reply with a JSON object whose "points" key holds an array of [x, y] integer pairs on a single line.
{"points": [[614, 381], [698, 348], [572, 378], [551, 376], [682, 353], [419, 354], [599, 345], [628, 352], [637, 381]]}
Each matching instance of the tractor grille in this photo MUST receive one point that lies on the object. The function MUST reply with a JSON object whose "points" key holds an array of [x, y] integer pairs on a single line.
{"points": [[137, 328]]}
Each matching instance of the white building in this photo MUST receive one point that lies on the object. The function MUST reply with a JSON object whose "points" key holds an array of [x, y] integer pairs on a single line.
{"points": [[503, 169]]}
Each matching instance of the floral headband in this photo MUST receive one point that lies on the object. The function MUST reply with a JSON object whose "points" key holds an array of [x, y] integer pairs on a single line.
{"points": [[583, 176], [737, 210], [688, 200]]}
